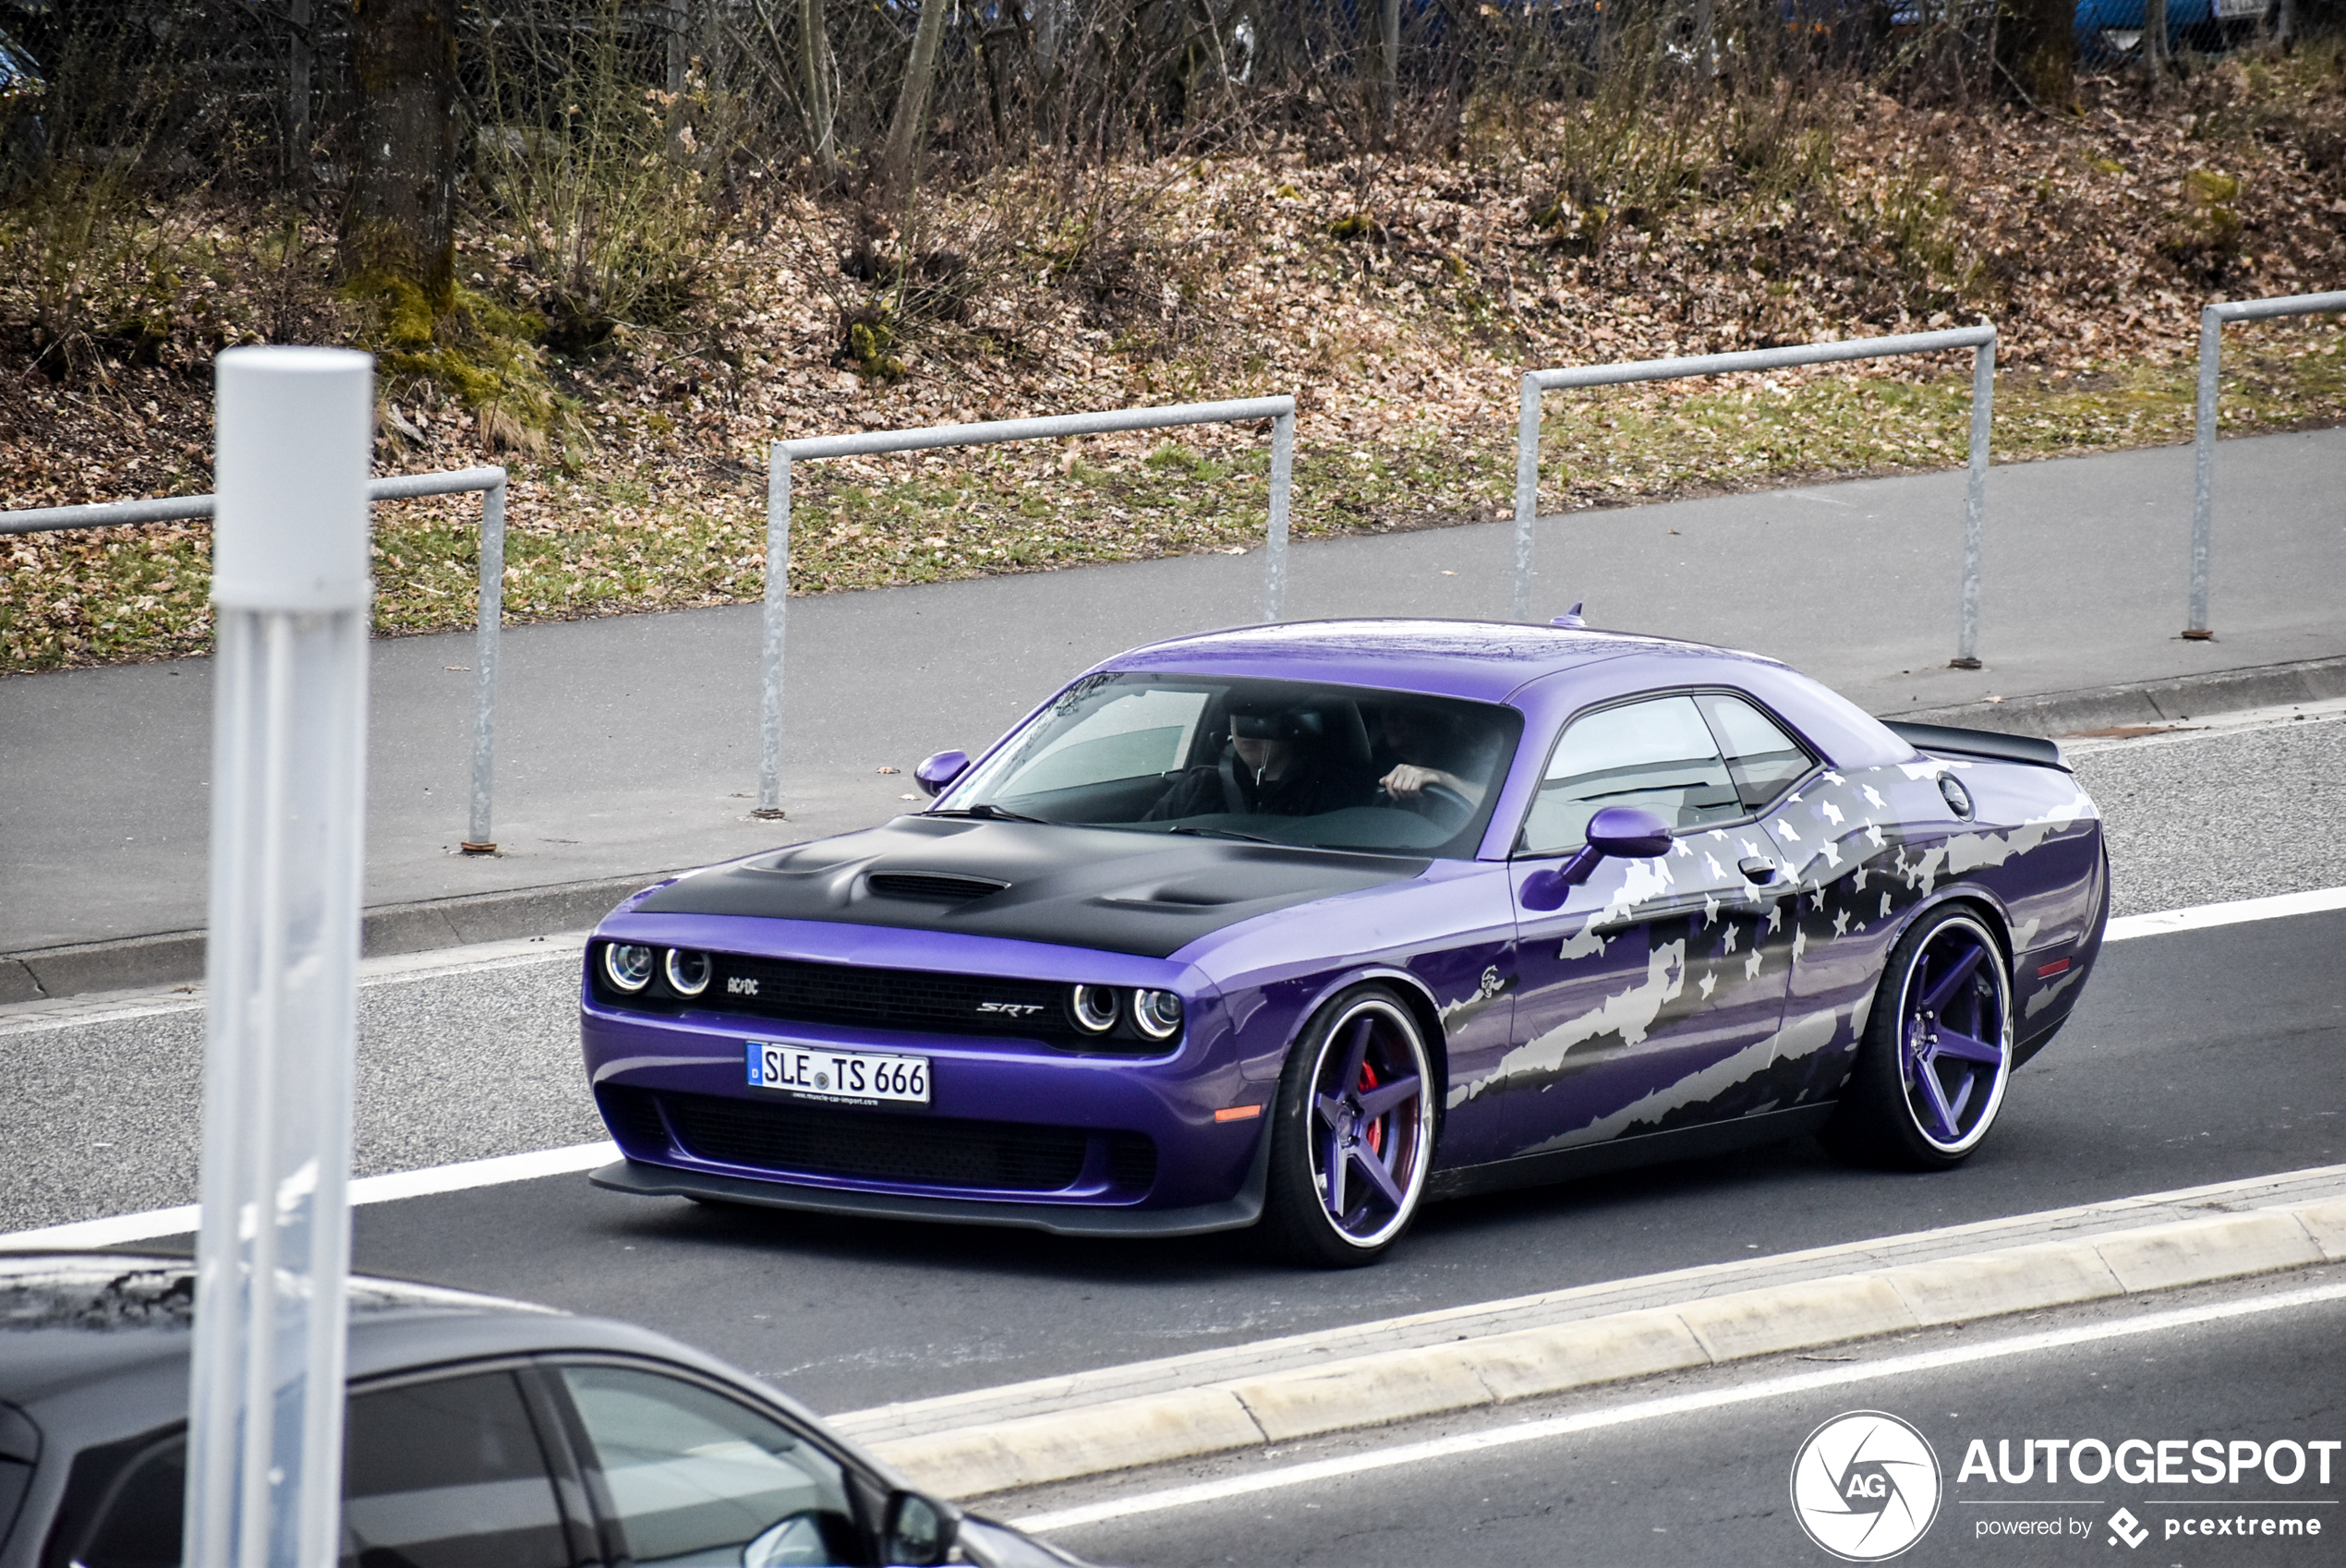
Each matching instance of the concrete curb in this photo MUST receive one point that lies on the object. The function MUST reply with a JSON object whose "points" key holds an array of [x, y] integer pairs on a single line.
{"points": [[2147, 702], [177, 957], [1370, 1390]]}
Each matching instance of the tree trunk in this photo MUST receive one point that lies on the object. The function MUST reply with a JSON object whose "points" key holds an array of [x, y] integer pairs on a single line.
{"points": [[910, 125], [1389, 37], [400, 219], [815, 68], [2036, 47], [297, 58], [2154, 44]]}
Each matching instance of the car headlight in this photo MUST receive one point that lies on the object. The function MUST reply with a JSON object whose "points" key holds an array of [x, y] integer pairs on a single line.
{"points": [[1156, 1014], [688, 972], [1095, 1008], [627, 965]]}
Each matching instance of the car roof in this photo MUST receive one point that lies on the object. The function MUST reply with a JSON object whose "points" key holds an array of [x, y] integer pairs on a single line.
{"points": [[95, 1346], [1481, 660]]}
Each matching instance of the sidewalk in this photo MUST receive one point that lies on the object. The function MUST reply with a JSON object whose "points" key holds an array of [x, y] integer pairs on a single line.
{"points": [[628, 745]]}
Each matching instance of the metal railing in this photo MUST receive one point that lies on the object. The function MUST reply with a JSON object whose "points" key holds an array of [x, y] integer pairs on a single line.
{"points": [[490, 482], [1280, 410], [1981, 340], [2203, 499]]}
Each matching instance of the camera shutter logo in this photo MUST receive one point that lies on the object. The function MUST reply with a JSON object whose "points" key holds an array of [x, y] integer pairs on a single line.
{"points": [[1864, 1486]]}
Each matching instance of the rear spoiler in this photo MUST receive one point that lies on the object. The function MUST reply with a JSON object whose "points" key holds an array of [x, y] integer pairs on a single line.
{"points": [[1979, 744]]}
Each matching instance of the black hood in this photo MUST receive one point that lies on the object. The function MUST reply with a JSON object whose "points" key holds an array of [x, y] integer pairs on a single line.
{"points": [[1149, 894]]}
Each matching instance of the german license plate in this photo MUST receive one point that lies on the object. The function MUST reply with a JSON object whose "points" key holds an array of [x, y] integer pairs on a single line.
{"points": [[854, 1076]]}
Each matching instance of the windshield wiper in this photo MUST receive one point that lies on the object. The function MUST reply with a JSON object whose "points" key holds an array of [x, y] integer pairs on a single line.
{"points": [[985, 811], [1222, 833]]}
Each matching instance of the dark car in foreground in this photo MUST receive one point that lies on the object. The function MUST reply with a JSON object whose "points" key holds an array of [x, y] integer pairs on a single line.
{"points": [[479, 1433], [1306, 925]]}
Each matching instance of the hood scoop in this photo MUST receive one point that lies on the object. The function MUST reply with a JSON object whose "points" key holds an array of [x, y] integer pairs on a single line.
{"points": [[938, 886]]}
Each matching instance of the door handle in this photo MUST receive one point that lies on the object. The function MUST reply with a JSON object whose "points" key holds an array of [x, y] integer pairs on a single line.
{"points": [[1758, 869]]}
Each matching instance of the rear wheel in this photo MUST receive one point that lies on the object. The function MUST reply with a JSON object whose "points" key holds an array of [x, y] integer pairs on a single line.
{"points": [[1932, 1072], [1352, 1133]]}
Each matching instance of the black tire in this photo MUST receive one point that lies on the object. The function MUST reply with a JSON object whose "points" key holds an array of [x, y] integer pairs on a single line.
{"points": [[1932, 1069], [1377, 1129]]}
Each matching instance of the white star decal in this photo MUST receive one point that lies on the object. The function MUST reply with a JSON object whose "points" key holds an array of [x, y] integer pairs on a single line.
{"points": [[1710, 983]]}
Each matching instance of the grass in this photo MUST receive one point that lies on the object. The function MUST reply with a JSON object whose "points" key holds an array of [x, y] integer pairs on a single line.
{"points": [[583, 545]]}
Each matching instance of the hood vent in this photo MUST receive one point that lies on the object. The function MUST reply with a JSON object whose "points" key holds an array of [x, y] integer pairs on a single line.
{"points": [[931, 885]]}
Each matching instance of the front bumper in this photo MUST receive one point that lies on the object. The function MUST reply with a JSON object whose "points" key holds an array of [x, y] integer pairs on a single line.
{"points": [[1235, 1213]]}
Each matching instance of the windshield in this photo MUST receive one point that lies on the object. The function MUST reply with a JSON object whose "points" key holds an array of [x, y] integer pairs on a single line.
{"points": [[1288, 762]]}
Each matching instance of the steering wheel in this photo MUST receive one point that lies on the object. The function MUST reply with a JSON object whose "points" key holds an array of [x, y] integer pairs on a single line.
{"points": [[1449, 810]]}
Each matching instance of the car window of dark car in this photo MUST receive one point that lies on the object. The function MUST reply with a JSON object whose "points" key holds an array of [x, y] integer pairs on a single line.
{"points": [[694, 1477], [1765, 761], [443, 1473], [1657, 753]]}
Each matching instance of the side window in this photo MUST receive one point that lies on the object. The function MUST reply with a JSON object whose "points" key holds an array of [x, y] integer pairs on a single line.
{"points": [[1764, 760], [1656, 754], [448, 1474], [694, 1477], [444, 1474]]}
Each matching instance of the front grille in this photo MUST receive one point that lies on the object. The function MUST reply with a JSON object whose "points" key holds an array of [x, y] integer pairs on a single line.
{"points": [[632, 1116], [888, 998], [916, 1151], [802, 992], [932, 885]]}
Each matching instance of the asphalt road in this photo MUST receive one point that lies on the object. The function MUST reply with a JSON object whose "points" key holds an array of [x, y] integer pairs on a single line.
{"points": [[1711, 1485], [628, 743], [2195, 1056]]}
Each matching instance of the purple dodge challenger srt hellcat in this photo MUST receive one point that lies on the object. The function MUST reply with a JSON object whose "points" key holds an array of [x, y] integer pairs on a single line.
{"points": [[1306, 925]]}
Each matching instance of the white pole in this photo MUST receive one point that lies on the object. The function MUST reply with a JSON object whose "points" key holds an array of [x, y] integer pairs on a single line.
{"points": [[290, 591]]}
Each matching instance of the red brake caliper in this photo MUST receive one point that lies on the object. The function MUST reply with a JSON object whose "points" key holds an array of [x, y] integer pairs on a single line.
{"points": [[1374, 1136]]}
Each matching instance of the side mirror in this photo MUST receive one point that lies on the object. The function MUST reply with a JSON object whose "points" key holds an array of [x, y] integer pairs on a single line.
{"points": [[917, 1533], [934, 774], [1628, 833]]}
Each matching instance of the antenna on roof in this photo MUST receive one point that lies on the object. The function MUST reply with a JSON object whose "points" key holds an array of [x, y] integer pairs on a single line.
{"points": [[1570, 620]]}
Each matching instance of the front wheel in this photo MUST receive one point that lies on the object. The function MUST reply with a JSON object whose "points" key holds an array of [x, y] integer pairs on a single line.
{"points": [[1930, 1074], [1352, 1134]]}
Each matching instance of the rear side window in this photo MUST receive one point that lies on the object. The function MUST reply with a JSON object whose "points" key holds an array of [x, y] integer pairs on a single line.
{"points": [[444, 1474], [448, 1474], [1763, 759], [1657, 753]]}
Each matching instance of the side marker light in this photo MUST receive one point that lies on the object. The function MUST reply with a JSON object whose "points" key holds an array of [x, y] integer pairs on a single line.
{"points": [[1238, 1113]]}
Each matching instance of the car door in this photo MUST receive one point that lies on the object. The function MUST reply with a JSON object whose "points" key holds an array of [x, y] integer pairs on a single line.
{"points": [[1649, 1000]]}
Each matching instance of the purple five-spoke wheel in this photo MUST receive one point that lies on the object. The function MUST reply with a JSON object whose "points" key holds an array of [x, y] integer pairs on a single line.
{"points": [[1954, 1034], [1369, 1121]]}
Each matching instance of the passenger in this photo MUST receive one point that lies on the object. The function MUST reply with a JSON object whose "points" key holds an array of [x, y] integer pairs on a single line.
{"points": [[1276, 764]]}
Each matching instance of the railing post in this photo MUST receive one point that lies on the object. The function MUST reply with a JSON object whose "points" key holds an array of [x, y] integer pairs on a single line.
{"points": [[1975, 505], [482, 840], [1275, 539], [288, 855], [770, 734], [1527, 492], [2203, 463]]}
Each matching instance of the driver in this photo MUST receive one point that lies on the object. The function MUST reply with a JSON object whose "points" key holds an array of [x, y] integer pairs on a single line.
{"points": [[1423, 746], [1276, 765]]}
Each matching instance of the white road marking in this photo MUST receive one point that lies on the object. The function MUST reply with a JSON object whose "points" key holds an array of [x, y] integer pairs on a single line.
{"points": [[396, 968], [2204, 916], [1659, 1409], [390, 1189]]}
